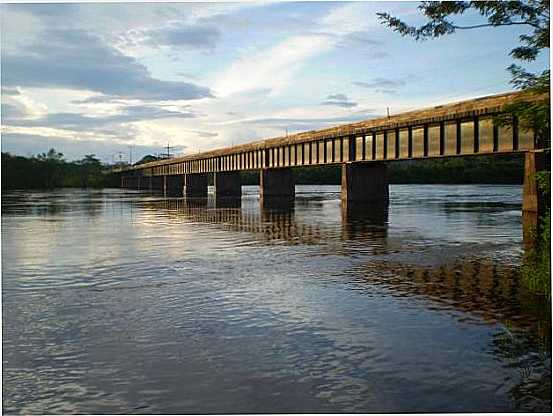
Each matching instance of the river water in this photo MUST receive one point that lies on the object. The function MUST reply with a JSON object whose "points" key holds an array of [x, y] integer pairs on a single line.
{"points": [[116, 301]]}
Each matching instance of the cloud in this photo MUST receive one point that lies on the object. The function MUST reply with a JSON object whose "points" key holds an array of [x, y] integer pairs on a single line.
{"points": [[359, 38], [274, 68], [195, 36], [10, 91], [79, 60], [271, 68], [294, 124], [380, 83], [106, 150], [205, 133], [340, 100], [378, 55], [77, 121], [11, 111]]}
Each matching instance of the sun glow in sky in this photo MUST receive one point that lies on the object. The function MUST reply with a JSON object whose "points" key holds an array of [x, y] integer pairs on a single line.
{"points": [[100, 77]]}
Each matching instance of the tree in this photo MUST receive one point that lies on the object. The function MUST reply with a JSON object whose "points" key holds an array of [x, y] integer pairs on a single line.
{"points": [[532, 111], [532, 14], [91, 168], [147, 159], [52, 167]]}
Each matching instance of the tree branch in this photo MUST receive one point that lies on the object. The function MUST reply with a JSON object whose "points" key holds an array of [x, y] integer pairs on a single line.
{"points": [[495, 25]]}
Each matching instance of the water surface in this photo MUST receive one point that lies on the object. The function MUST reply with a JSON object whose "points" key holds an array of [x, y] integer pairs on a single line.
{"points": [[117, 301]]}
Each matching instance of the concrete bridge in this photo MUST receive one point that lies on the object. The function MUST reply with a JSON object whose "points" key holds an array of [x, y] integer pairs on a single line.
{"points": [[363, 149]]}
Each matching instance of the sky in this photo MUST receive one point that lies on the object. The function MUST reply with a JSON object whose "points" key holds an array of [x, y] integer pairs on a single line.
{"points": [[123, 80]]}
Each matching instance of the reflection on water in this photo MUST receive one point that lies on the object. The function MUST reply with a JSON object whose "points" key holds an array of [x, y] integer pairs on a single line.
{"points": [[117, 301]]}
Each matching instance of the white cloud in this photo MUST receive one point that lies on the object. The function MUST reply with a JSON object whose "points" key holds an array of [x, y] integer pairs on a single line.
{"points": [[275, 68]]}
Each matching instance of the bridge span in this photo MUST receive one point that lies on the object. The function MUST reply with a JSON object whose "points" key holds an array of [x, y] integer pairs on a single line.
{"points": [[363, 149]]}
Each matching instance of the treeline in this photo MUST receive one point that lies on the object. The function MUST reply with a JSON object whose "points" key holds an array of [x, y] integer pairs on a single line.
{"points": [[505, 169], [51, 170]]}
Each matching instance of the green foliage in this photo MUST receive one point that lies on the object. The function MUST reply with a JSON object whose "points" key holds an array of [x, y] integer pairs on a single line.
{"points": [[536, 271], [533, 14], [459, 170], [532, 111], [147, 159], [506, 169], [50, 170]]}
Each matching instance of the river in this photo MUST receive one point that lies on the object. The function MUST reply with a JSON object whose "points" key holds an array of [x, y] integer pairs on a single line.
{"points": [[116, 301]]}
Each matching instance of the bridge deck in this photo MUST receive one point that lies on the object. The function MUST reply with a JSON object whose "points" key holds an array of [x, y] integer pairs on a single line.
{"points": [[463, 128]]}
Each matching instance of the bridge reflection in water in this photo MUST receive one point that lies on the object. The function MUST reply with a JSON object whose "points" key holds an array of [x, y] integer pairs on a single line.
{"points": [[276, 223]]}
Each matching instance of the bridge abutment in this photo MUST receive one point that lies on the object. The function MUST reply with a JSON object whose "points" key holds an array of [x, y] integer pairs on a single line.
{"points": [[276, 187], [228, 185], [533, 201], [364, 187], [195, 185]]}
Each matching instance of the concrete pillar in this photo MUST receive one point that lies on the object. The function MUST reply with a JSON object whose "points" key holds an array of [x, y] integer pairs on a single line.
{"points": [[276, 187], [227, 185], [173, 186], [365, 185], [157, 184], [195, 185], [533, 202], [132, 182]]}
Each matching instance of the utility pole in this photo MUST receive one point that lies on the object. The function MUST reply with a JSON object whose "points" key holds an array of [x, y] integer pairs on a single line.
{"points": [[130, 154], [168, 150]]}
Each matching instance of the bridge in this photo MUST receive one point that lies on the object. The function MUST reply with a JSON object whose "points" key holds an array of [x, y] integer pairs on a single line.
{"points": [[364, 150]]}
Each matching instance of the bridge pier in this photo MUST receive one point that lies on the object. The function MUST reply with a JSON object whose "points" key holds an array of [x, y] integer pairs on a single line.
{"points": [[195, 185], [173, 185], [132, 182], [156, 183], [227, 185], [276, 188], [533, 201], [364, 187]]}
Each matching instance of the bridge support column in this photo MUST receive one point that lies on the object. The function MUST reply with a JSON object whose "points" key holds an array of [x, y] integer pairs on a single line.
{"points": [[276, 188], [364, 188], [227, 185], [132, 182], [173, 185], [156, 183], [533, 201], [195, 185]]}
